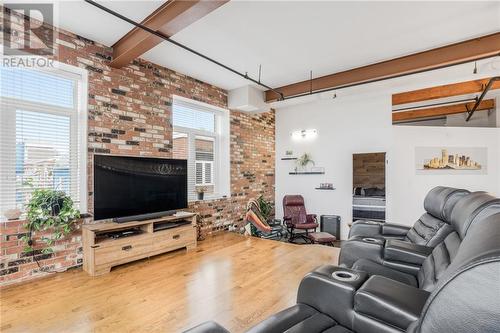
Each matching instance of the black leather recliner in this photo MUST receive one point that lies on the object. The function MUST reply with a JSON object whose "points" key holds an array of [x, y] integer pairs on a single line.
{"points": [[468, 211], [465, 298], [367, 238], [438, 204]]}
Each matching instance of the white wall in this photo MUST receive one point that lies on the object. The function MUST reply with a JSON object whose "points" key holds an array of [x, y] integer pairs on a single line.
{"points": [[407, 188], [361, 122]]}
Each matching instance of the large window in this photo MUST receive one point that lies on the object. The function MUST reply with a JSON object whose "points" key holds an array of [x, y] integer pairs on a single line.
{"points": [[42, 134], [201, 136]]}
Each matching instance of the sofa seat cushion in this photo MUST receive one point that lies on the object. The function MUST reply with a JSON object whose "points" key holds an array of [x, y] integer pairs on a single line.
{"points": [[299, 318], [391, 302], [374, 268]]}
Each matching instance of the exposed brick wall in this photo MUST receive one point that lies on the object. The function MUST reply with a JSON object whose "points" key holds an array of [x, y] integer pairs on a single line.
{"points": [[369, 170], [130, 114], [252, 171]]}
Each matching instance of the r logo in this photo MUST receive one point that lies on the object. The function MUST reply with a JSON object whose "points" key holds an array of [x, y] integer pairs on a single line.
{"points": [[35, 37]]}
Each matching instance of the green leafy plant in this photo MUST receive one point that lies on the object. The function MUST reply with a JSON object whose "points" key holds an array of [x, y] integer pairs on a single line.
{"points": [[304, 160], [49, 209], [266, 207]]}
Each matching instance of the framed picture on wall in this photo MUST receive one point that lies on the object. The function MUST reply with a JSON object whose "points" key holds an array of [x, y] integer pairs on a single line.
{"points": [[451, 160]]}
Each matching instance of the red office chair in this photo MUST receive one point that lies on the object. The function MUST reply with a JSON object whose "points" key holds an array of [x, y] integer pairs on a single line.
{"points": [[295, 218]]}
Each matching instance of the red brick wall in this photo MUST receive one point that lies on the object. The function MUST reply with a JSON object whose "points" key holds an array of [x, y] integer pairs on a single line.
{"points": [[130, 114]]}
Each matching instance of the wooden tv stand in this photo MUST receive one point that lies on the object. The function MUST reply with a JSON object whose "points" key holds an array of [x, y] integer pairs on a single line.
{"points": [[100, 252]]}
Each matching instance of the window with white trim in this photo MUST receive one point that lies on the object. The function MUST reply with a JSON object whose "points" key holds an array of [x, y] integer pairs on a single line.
{"points": [[43, 127], [201, 136]]}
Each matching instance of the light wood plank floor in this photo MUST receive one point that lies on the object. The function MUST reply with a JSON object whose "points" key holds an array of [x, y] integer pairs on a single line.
{"points": [[235, 280]]}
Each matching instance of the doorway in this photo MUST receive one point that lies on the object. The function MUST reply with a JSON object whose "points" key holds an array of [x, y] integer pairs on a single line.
{"points": [[368, 201]]}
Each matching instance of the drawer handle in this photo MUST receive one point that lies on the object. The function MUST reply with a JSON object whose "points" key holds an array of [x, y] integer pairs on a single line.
{"points": [[127, 248], [176, 236]]}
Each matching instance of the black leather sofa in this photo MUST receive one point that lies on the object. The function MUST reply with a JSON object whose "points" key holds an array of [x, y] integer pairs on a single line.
{"points": [[367, 239], [457, 288], [408, 264]]}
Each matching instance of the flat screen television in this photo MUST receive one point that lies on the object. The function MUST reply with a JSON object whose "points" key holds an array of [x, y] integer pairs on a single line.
{"points": [[130, 188]]}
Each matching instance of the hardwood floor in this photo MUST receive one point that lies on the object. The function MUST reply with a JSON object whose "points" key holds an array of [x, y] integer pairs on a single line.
{"points": [[235, 280]]}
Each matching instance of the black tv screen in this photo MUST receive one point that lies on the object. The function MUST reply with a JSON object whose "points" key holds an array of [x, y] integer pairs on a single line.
{"points": [[129, 186]]}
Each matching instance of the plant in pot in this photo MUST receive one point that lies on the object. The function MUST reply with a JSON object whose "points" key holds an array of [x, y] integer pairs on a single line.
{"points": [[52, 210], [266, 208], [304, 160], [201, 192]]}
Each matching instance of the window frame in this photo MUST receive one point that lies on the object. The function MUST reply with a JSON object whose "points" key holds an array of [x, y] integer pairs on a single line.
{"points": [[220, 136], [78, 122]]}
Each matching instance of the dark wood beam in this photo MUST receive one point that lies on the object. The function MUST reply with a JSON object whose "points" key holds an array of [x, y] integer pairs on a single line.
{"points": [[448, 90], [441, 111], [469, 50], [169, 18]]}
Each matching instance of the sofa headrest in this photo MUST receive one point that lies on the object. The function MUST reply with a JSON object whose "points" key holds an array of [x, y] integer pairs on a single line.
{"points": [[471, 209], [469, 287], [439, 202], [293, 200]]}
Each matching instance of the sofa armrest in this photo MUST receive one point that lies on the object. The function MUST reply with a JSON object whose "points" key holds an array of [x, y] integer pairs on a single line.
{"points": [[361, 247], [207, 327], [330, 289], [388, 301], [389, 229], [406, 252], [365, 228]]}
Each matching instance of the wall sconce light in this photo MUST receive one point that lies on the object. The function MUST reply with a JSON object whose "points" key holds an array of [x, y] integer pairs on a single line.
{"points": [[304, 134]]}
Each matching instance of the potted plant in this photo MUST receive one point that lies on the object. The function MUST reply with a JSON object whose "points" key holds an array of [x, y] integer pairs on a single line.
{"points": [[266, 208], [49, 209], [201, 192], [304, 160]]}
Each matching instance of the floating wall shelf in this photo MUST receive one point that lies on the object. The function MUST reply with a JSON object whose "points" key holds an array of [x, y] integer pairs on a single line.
{"points": [[307, 173], [288, 158], [325, 188]]}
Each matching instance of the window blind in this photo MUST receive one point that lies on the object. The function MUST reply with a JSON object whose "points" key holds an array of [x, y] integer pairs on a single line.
{"points": [[194, 116], [40, 136]]}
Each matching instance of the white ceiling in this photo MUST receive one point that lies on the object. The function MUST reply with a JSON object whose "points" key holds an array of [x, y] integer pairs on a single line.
{"points": [[290, 38], [90, 22]]}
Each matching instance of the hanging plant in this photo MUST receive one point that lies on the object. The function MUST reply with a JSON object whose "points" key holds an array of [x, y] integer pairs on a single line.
{"points": [[49, 210]]}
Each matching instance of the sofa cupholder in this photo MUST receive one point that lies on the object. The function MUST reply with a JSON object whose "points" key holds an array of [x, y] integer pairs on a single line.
{"points": [[344, 276], [370, 240]]}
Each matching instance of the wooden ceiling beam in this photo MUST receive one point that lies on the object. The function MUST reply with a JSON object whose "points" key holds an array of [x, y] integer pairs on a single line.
{"points": [[441, 111], [469, 50], [169, 18], [447, 90]]}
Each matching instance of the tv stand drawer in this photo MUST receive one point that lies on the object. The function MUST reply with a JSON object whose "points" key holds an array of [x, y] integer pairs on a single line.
{"points": [[173, 238], [123, 252]]}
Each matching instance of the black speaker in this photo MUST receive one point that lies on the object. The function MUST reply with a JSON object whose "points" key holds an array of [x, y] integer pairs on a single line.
{"points": [[330, 224]]}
